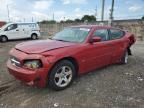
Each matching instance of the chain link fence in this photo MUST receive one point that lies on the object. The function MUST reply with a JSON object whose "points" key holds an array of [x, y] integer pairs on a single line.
{"points": [[134, 26]]}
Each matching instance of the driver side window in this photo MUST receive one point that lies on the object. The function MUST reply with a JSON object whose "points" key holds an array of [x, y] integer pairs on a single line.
{"points": [[103, 33], [11, 27]]}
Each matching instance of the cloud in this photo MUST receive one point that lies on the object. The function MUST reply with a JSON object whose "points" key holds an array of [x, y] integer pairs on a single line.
{"points": [[77, 13], [135, 8], [3, 8], [59, 13], [40, 16], [77, 10], [36, 9], [43, 4], [65, 2]]}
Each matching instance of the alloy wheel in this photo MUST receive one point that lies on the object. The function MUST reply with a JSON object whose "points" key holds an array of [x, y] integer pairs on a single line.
{"points": [[63, 76]]}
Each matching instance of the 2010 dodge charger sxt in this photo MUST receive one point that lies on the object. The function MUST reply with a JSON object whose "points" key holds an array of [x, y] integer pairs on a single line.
{"points": [[73, 51]]}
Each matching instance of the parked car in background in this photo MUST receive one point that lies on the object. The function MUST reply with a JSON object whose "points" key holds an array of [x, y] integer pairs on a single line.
{"points": [[19, 31], [71, 52]]}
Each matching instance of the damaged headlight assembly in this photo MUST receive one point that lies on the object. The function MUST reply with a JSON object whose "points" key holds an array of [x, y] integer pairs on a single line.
{"points": [[32, 64]]}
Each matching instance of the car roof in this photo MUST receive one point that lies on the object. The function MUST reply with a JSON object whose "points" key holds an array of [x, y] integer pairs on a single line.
{"points": [[26, 23], [94, 26], [22, 23]]}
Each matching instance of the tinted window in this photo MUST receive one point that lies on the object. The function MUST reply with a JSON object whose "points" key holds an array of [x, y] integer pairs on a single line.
{"points": [[101, 33], [116, 34], [32, 25]]}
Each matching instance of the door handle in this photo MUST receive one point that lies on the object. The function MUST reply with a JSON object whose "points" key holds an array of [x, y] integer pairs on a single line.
{"points": [[17, 30]]}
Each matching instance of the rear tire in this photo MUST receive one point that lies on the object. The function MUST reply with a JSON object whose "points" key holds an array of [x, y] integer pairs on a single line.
{"points": [[124, 59], [62, 75], [4, 39], [34, 36]]}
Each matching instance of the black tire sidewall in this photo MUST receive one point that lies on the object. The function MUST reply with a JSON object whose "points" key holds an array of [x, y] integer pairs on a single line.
{"points": [[51, 82], [34, 35], [5, 38]]}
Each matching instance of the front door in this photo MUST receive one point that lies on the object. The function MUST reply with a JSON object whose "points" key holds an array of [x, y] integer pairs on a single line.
{"points": [[98, 54], [12, 32]]}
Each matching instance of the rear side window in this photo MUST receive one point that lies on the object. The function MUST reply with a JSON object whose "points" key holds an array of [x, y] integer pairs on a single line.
{"points": [[23, 25], [103, 33], [32, 25], [116, 34]]}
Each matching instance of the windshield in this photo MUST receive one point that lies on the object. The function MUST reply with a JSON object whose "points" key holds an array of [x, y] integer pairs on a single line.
{"points": [[72, 34]]}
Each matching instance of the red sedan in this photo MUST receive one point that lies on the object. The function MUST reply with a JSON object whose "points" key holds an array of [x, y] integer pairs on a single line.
{"points": [[71, 52]]}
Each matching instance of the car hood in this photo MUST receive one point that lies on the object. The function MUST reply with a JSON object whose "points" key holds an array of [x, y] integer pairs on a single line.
{"points": [[41, 46]]}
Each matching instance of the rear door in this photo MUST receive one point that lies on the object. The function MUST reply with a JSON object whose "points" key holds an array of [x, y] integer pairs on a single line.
{"points": [[26, 30], [21, 31], [30, 29], [119, 43]]}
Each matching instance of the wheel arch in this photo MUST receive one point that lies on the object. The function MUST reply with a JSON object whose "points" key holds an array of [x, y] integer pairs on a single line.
{"points": [[4, 36], [34, 34], [69, 58]]}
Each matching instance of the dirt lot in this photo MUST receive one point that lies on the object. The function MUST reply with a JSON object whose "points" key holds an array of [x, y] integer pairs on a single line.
{"points": [[116, 86]]}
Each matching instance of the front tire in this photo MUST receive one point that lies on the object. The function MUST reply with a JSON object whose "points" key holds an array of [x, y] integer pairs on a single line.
{"points": [[61, 75], [4, 39]]}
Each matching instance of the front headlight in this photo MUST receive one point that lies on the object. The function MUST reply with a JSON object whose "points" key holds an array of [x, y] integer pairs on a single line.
{"points": [[32, 64]]}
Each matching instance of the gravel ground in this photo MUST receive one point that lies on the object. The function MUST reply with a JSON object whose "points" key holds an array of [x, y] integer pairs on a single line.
{"points": [[115, 86]]}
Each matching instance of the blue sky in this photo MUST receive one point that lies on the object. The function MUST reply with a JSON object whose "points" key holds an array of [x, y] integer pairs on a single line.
{"points": [[25, 10]]}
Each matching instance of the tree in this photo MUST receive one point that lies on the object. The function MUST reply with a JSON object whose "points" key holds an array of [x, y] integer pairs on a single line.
{"points": [[48, 22], [69, 21], [77, 20], [61, 21], [88, 18], [143, 18]]}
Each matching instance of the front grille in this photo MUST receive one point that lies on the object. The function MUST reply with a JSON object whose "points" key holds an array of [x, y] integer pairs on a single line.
{"points": [[15, 61]]}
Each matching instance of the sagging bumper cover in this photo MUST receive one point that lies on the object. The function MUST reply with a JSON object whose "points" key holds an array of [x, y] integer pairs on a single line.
{"points": [[37, 77]]}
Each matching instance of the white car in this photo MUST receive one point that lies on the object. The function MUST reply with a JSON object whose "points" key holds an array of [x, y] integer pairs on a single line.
{"points": [[19, 31]]}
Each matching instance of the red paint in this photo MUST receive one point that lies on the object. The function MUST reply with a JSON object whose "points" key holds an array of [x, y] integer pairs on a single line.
{"points": [[89, 56], [2, 23]]}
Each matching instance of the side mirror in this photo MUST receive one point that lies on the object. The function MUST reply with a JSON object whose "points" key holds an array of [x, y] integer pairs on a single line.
{"points": [[95, 39], [9, 28]]}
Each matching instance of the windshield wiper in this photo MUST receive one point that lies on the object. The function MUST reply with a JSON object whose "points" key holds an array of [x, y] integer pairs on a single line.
{"points": [[61, 40]]}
